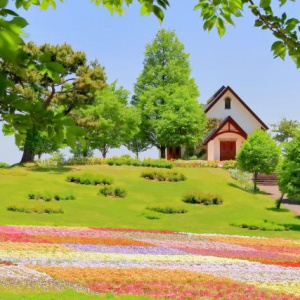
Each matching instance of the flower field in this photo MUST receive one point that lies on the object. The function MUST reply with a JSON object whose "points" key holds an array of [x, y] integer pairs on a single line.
{"points": [[157, 264]]}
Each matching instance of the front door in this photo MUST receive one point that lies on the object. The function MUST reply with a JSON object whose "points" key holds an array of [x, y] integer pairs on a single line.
{"points": [[227, 150]]}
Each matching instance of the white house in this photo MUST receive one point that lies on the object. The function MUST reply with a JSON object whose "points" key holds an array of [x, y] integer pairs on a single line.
{"points": [[237, 121]]}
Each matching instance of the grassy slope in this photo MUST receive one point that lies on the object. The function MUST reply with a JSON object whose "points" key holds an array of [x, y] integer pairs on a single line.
{"points": [[90, 209]]}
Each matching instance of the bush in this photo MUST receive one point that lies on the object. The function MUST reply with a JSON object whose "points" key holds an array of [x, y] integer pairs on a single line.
{"points": [[195, 197], [197, 163], [109, 191], [168, 210], [147, 162], [49, 197], [90, 179], [244, 179], [230, 164], [264, 225], [3, 165], [163, 176], [37, 208]]}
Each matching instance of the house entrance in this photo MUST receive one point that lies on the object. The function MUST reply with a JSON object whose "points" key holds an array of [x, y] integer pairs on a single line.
{"points": [[227, 150]]}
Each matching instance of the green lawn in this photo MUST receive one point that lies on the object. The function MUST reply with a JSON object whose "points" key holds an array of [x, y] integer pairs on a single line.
{"points": [[91, 209]]}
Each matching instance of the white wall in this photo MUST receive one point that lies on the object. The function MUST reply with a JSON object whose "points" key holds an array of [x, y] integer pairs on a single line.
{"points": [[213, 146], [238, 112]]}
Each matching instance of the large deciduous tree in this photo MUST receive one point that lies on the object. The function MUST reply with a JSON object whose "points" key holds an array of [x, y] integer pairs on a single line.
{"points": [[167, 95], [110, 122], [44, 97], [258, 154]]}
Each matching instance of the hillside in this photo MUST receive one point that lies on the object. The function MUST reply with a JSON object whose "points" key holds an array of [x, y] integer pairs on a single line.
{"points": [[93, 210]]}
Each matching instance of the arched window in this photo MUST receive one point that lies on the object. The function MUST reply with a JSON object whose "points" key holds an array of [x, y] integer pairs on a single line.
{"points": [[227, 103]]}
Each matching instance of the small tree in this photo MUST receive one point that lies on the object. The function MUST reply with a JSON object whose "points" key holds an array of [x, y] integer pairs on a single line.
{"points": [[285, 129], [258, 154], [289, 171]]}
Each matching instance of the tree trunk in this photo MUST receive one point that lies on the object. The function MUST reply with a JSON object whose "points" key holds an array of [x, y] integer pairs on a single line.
{"points": [[255, 181], [28, 155], [103, 152], [162, 151], [278, 202]]}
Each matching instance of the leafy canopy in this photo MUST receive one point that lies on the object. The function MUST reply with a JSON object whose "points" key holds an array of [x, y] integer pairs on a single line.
{"points": [[289, 171], [167, 95], [258, 154]]}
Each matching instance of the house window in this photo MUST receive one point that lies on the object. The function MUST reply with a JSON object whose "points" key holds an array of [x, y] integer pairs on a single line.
{"points": [[227, 103]]}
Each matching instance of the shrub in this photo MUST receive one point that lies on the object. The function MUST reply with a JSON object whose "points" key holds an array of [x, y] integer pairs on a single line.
{"points": [[163, 176], [37, 208], [151, 216], [120, 192], [197, 163], [195, 197], [168, 210], [31, 196], [109, 191], [90, 179], [3, 165], [264, 225], [244, 179], [230, 164], [49, 197], [147, 162]]}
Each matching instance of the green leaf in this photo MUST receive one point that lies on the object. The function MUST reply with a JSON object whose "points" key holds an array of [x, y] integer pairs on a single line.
{"points": [[221, 27], [7, 129], [258, 23], [279, 49], [20, 22], [3, 3], [71, 140], [265, 3], [158, 12]]}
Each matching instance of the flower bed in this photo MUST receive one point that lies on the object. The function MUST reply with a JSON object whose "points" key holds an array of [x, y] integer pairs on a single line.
{"points": [[158, 264]]}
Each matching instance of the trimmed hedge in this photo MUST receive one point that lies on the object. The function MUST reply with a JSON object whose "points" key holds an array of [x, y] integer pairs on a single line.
{"points": [[264, 225], [195, 197], [171, 176], [90, 179], [147, 162], [109, 191], [39, 208], [49, 196], [168, 209]]}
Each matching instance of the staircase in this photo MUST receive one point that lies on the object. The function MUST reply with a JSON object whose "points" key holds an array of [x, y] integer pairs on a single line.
{"points": [[263, 179]]}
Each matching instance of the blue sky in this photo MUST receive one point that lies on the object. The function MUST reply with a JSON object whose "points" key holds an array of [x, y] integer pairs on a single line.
{"points": [[241, 59]]}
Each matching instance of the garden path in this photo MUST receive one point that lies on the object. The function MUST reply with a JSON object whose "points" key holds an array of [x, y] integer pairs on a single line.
{"points": [[274, 192]]}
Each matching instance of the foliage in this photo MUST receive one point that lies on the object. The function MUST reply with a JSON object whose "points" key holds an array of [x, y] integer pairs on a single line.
{"points": [[167, 209], [289, 170], [244, 178], [197, 163], [43, 99], [109, 191], [110, 122], [47, 196], [167, 96], [38, 208], [138, 143], [260, 225], [147, 162], [90, 179], [3, 165], [195, 197], [258, 154], [82, 150], [285, 129], [229, 164], [172, 176]]}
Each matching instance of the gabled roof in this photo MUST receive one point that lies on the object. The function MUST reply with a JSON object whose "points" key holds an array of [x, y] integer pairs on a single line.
{"points": [[218, 95], [236, 128]]}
